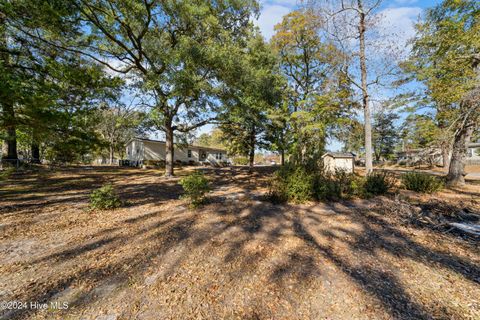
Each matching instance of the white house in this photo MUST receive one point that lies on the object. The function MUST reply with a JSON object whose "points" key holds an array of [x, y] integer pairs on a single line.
{"points": [[140, 150], [339, 161], [473, 153], [434, 156]]}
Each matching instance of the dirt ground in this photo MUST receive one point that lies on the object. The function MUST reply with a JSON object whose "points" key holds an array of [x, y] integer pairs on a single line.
{"points": [[237, 257]]}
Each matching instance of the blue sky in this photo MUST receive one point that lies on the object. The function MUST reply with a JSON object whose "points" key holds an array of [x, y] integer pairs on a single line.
{"points": [[399, 12]]}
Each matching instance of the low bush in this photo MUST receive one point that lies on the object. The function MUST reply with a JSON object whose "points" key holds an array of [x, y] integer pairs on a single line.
{"points": [[6, 172], [339, 185], [104, 198], [241, 161], [421, 182], [195, 186], [297, 184], [377, 183], [292, 184], [154, 163]]}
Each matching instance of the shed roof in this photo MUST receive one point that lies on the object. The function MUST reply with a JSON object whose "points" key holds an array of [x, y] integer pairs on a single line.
{"points": [[339, 155]]}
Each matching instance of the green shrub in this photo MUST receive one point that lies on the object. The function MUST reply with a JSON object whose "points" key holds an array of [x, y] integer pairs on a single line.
{"points": [[292, 184], [326, 188], [154, 163], [377, 183], [6, 172], [104, 198], [339, 185], [297, 184], [348, 183], [195, 186], [421, 182], [277, 188], [241, 161]]}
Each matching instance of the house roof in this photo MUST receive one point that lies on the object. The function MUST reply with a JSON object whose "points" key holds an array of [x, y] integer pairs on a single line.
{"points": [[474, 145], [188, 146], [339, 155]]}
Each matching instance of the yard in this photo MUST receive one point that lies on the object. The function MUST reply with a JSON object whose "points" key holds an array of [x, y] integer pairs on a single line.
{"points": [[237, 257]]}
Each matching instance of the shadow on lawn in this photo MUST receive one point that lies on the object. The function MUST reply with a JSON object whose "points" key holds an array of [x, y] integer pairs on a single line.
{"points": [[238, 224], [51, 187]]}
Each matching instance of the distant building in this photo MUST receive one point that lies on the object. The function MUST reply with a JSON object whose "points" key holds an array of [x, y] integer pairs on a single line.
{"points": [[140, 150], [473, 152], [339, 161], [433, 156]]}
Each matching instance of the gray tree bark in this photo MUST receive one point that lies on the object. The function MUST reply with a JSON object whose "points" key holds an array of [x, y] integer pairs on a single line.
{"points": [[456, 172], [365, 96], [470, 115]]}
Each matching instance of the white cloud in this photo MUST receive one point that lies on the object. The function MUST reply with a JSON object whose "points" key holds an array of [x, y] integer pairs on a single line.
{"points": [[271, 15], [400, 22]]}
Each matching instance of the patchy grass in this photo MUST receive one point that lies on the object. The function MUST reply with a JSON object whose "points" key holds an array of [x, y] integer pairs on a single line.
{"points": [[236, 257]]}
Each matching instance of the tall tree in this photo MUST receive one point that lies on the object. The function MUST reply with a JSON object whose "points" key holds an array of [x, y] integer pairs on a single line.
{"points": [[278, 133], [371, 53], [351, 134], [419, 131], [316, 85], [119, 122], [249, 95], [446, 58], [213, 139], [7, 88], [172, 50], [44, 87], [385, 134]]}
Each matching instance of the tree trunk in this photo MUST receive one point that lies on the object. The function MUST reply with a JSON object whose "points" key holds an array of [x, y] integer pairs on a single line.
{"points": [[111, 153], [282, 157], [456, 172], [251, 154], [169, 148], [365, 98], [470, 107], [445, 157], [9, 150], [35, 148]]}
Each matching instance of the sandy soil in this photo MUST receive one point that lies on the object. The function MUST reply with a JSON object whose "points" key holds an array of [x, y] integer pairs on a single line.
{"points": [[237, 257]]}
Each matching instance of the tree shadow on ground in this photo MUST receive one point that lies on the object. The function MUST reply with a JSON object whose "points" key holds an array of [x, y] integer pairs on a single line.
{"points": [[342, 235]]}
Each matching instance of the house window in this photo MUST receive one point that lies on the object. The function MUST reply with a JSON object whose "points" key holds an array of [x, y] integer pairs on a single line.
{"points": [[189, 153]]}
